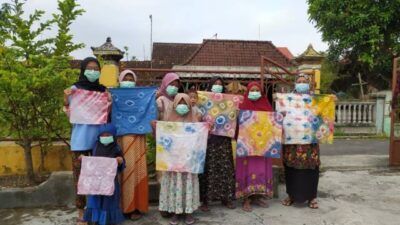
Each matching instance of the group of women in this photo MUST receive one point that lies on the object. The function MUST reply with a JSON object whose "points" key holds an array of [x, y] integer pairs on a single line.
{"points": [[224, 179]]}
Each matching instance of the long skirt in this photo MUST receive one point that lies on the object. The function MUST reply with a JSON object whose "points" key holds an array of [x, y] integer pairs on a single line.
{"points": [[217, 183], [80, 200], [104, 210], [179, 193], [301, 184], [135, 187], [254, 176]]}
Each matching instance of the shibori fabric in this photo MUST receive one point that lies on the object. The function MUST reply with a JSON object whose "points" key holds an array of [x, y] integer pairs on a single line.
{"points": [[260, 134], [133, 109], [308, 118], [221, 111], [181, 147], [88, 107], [97, 176]]}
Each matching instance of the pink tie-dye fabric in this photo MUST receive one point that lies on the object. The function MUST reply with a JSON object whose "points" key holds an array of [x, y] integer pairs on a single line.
{"points": [[97, 176], [89, 107]]}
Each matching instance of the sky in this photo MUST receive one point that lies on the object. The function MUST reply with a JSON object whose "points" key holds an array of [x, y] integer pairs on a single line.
{"points": [[284, 22]]}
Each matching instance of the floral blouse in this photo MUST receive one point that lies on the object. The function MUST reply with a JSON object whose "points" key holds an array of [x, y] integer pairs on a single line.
{"points": [[301, 156]]}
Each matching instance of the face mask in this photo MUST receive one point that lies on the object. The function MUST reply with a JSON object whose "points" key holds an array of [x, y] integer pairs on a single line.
{"points": [[216, 88], [182, 109], [172, 90], [302, 87], [106, 140], [92, 75], [254, 95], [127, 84]]}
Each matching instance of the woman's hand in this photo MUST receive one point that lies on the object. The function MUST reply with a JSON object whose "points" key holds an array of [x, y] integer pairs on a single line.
{"points": [[120, 160], [67, 92], [109, 96]]}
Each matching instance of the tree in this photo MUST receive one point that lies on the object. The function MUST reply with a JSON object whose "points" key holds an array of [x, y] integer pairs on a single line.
{"points": [[364, 35], [126, 52], [33, 73], [330, 73]]}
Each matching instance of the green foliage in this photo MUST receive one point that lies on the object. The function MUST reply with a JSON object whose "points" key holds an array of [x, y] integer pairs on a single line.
{"points": [[364, 33], [151, 155], [68, 13], [329, 73], [34, 72]]}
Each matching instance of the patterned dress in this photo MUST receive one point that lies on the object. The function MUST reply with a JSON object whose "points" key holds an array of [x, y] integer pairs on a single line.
{"points": [[218, 180], [254, 176], [179, 193], [135, 187], [301, 164]]}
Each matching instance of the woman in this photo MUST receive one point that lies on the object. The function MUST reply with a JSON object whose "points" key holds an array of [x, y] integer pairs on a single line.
{"points": [[218, 181], [254, 173], [135, 187], [179, 192], [301, 164], [83, 136]]}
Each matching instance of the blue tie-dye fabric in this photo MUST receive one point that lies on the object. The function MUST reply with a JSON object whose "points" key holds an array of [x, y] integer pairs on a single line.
{"points": [[133, 109]]}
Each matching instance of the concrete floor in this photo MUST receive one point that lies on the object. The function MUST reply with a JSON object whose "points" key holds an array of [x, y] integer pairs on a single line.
{"points": [[363, 197]]}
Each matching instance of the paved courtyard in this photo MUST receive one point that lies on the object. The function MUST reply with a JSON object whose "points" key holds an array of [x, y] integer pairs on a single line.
{"points": [[356, 188]]}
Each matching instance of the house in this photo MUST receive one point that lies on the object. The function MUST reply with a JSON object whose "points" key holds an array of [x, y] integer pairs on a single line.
{"points": [[219, 55]]}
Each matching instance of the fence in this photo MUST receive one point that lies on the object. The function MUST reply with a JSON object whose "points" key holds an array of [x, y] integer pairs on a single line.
{"points": [[356, 113]]}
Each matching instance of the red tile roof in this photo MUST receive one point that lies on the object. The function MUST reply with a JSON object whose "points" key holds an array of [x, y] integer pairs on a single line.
{"points": [[218, 52], [134, 64], [286, 52], [166, 55]]}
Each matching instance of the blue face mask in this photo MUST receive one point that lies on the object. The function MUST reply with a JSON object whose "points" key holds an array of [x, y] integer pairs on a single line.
{"points": [[216, 88], [302, 87], [172, 90], [92, 75], [182, 109], [127, 84], [254, 95], [106, 140]]}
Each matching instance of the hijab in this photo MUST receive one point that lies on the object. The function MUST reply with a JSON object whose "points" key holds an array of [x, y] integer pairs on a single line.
{"points": [[111, 150], [262, 104], [212, 82], [84, 83], [124, 73], [173, 116], [167, 80]]}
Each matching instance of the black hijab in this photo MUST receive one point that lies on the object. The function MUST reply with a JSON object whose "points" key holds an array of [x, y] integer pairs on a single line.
{"points": [[84, 83], [212, 82], [111, 150]]}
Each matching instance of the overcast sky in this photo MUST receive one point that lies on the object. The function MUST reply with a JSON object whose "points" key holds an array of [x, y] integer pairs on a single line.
{"points": [[127, 22]]}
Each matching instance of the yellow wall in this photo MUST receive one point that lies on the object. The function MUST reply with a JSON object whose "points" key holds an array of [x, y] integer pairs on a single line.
{"points": [[109, 75], [58, 158]]}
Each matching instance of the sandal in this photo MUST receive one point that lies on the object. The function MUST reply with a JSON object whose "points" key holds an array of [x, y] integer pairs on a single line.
{"points": [[189, 220], [247, 206], [165, 214], [313, 204], [135, 216], [287, 201], [174, 220], [229, 204]]}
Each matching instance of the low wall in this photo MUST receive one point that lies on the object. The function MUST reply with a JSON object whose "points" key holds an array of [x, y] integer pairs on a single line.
{"points": [[57, 158], [58, 190]]}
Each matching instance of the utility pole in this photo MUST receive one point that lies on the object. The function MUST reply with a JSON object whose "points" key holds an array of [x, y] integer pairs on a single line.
{"points": [[151, 41]]}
